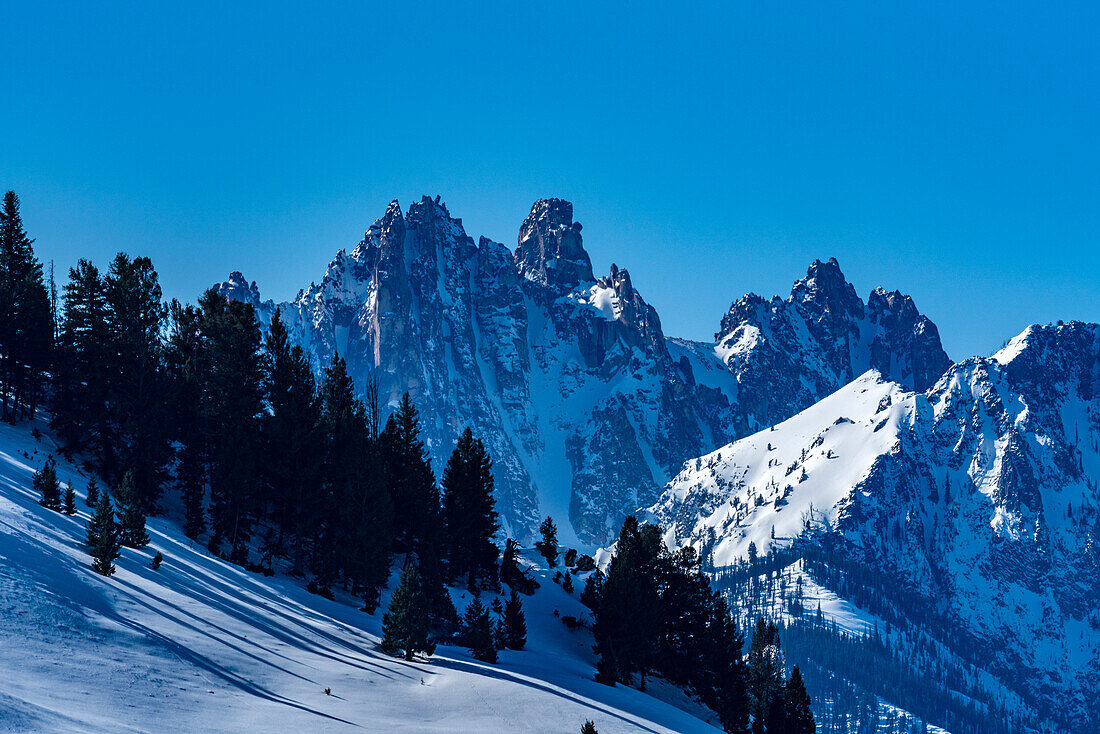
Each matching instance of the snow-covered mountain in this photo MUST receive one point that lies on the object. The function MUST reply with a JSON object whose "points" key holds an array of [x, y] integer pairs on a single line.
{"points": [[586, 406], [976, 498]]}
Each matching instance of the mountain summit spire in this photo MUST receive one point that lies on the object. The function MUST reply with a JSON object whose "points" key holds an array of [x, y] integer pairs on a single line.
{"points": [[550, 250]]}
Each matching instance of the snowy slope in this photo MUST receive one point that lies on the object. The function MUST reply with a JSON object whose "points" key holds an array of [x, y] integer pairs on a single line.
{"points": [[201, 645], [775, 479], [978, 497]]}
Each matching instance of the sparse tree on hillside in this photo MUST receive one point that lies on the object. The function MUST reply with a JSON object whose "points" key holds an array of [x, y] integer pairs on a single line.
{"points": [[469, 516], [103, 537], [45, 482], [68, 505], [548, 545], [477, 628], [796, 701], [515, 625], [91, 494], [131, 516], [406, 623]]}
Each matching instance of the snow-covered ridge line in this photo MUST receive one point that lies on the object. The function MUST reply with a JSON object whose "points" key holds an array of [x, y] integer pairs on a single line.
{"points": [[979, 493]]}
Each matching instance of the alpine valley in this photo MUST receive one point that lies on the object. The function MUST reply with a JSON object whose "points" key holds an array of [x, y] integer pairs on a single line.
{"points": [[833, 468]]}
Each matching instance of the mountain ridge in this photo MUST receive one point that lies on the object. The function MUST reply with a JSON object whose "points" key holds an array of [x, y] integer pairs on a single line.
{"points": [[588, 407], [978, 494]]}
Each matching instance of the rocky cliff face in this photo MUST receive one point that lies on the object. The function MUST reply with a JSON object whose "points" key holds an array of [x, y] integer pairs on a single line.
{"points": [[979, 495], [587, 407], [788, 354]]}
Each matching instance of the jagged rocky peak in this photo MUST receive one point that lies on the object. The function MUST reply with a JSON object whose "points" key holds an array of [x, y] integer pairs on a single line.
{"points": [[824, 324], [550, 251], [825, 292], [911, 336], [641, 322], [237, 288]]}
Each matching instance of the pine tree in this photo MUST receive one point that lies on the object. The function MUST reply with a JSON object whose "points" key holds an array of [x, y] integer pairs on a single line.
{"points": [[469, 517], [627, 621], [184, 366], [589, 728], [775, 720], [593, 590], [417, 511], [412, 482], [765, 673], [548, 546], [723, 675], [80, 376], [91, 495], [232, 404], [509, 565], [103, 537], [292, 440], [477, 629], [406, 623], [45, 482], [357, 535], [131, 516], [69, 503], [515, 625], [136, 426], [189, 478], [799, 715], [26, 329]]}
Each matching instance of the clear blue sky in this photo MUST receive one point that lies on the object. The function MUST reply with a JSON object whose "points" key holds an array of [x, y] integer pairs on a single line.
{"points": [[950, 150]]}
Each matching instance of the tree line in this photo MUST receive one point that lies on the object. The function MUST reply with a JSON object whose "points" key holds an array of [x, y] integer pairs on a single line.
{"points": [[271, 462]]}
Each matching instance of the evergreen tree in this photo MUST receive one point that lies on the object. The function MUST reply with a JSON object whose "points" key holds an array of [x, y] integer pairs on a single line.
{"points": [[723, 675], [765, 672], [136, 426], [47, 486], [593, 590], [131, 515], [477, 629], [469, 517], [627, 620], [412, 483], [103, 537], [184, 361], [68, 505], [515, 625], [358, 532], [509, 565], [775, 721], [799, 715], [406, 623], [417, 511], [548, 546], [80, 375], [232, 404], [26, 329], [291, 437], [589, 728], [91, 494]]}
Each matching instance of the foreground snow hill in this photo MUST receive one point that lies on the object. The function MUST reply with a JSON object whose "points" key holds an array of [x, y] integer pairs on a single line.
{"points": [[202, 645], [977, 500]]}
